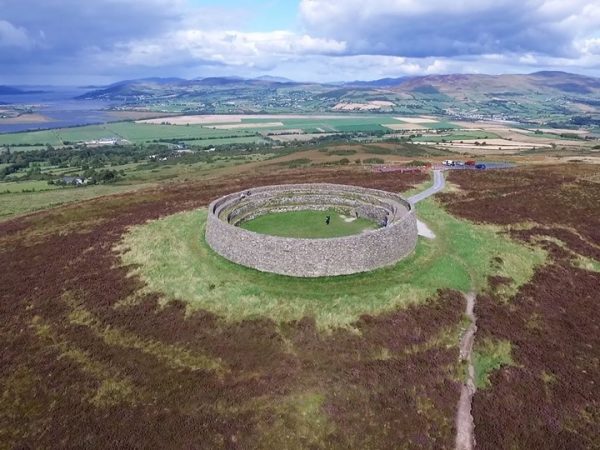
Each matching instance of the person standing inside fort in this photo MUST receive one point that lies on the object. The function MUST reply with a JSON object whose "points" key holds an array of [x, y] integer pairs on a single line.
{"points": [[327, 220]]}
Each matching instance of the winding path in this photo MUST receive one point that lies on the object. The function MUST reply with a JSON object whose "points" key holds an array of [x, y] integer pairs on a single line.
{"points": [[465, 428], [438, 184]]}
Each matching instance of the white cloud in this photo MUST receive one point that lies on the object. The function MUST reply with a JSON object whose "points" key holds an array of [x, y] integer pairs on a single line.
{"points": [[528, 59], [436, 67], [232, 48], [12, 36], [590, 46], [421, 28], [362, 67], [333, 40]]}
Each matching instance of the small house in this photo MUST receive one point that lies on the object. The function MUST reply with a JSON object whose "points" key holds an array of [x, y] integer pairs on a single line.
{"points": [[74, 181]]}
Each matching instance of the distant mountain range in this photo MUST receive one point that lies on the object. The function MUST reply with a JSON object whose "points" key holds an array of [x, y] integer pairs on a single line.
{"points": [[452, 85], [536, 96], [505, 84], [158, 86]]}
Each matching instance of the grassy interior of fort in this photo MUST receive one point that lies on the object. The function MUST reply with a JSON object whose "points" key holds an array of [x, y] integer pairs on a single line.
{"points": [[172, 257], [308, 224]]}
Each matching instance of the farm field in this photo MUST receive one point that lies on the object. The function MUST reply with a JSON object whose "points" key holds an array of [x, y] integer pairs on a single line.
{"points": [[21, 197], [26, 186], [129, 131], [198, 165], [205, 130], [236, 118], [498, 146], [18, 202], [228, 140], [458, 136], [213, 131]]}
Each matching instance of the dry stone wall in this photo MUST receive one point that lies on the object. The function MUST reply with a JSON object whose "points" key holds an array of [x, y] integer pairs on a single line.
{"points": [[362, 252]]}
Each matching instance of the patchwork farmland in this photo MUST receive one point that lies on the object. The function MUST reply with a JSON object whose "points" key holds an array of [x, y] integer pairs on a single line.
{"points": [[206, 130], [275, 130]]}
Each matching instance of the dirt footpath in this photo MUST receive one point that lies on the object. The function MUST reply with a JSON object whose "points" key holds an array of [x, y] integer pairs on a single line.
{"points": [[465, 437]]}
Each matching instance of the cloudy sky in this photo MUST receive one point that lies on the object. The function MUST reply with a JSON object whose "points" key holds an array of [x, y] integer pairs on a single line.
{"points": [[99, 41]]}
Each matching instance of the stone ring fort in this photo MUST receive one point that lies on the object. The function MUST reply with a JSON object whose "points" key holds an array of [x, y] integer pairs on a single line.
{"points": [[394, 239]]}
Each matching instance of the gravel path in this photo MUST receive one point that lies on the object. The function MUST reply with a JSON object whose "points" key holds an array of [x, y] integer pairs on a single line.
{"points": [[465, 438], [424, 230]]}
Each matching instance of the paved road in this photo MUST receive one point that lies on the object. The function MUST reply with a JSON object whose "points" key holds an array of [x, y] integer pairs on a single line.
{"points": [[438, 184]]}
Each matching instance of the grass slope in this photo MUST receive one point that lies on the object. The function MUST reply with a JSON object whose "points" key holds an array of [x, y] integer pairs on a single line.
{"points": [[488, 357], [307, 224], [15, 203], [171, 256]]}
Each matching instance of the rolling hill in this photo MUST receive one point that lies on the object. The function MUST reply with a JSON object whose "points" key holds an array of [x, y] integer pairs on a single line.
{"points": [[535, 83], [546, 95]]}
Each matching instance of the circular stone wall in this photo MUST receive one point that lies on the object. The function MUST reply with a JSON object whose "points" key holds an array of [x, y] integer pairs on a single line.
{"points": [[372, 249]]}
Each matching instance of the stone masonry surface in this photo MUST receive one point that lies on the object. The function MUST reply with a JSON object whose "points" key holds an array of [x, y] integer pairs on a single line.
{"points": [[362, 252]]}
